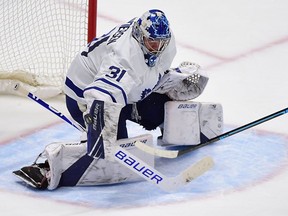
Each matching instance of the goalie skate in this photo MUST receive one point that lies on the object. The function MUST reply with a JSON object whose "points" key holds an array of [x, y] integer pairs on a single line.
{"points": [[34, 175], [24, 178]]}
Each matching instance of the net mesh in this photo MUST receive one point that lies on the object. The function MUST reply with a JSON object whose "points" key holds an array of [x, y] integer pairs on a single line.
{"points": [[40, 38]]}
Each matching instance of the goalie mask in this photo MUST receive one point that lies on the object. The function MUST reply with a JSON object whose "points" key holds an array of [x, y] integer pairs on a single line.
{"points": [[153, 34]]}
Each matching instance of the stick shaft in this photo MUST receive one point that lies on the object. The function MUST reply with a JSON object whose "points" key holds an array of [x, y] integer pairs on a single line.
{"points": [[236, 130], [47, 106]]}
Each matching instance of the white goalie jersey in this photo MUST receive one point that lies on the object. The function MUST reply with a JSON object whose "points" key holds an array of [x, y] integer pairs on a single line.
{"points": [[94, 75]]}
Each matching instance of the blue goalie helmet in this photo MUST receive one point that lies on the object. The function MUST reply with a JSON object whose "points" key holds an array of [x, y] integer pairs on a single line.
{"points": [[153, 34]]}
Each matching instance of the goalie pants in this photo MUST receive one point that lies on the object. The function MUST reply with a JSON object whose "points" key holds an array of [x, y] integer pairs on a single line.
{"points": [[149, 113]]}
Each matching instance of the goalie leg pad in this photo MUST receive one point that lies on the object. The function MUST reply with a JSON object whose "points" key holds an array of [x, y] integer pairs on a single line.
{"points": [[69, 165], [60, 157], [191, 123], [211, 120]]}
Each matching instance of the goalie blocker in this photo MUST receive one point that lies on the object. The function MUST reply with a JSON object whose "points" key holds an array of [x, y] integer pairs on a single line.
{"points": [[191, 123]]}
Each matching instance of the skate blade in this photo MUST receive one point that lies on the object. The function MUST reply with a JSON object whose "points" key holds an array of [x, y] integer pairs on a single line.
{"points": [[23, 177]]}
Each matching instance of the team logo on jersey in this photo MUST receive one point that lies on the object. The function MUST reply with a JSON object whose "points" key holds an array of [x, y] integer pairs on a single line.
{"points": [[145, 93]]}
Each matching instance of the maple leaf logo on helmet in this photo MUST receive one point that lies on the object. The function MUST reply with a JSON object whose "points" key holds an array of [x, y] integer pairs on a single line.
{"points": [[152, 31]]}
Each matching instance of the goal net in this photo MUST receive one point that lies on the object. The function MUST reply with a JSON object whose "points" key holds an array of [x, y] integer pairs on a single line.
{"points": [[39, 39]]}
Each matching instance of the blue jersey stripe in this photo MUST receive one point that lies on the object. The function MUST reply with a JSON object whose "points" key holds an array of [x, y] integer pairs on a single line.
{"points": [[116, 86], [74, 88], [103, 91]]}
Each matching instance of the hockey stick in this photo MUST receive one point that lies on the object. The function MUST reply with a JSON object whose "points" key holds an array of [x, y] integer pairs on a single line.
{"points": [[22, 90], [177, 153], [168, 184], [133, 163]]}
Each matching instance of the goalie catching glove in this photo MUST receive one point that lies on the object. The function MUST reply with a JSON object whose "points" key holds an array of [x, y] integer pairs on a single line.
{"points": [[186, 82]]}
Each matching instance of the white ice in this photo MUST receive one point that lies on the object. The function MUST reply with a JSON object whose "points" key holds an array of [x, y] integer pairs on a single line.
{"points": [[243, 45]]}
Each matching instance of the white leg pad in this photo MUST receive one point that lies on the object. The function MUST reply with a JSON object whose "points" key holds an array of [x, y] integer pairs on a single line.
{"points": [[62, 155], [186, 120]]}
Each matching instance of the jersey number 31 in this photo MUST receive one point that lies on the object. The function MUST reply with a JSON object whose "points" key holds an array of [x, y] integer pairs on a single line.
{"points": [[116, 73]]}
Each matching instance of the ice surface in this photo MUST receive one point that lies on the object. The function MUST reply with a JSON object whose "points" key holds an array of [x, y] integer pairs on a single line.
{"points": [[244, 47]]}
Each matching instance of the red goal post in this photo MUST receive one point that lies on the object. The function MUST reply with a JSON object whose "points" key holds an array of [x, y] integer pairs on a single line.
{"points": [[39, 39]]}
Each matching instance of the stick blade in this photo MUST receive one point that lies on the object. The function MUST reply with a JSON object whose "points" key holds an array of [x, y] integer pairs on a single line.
{"points": [[197, 169], [191, 173], [156, 151]]}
